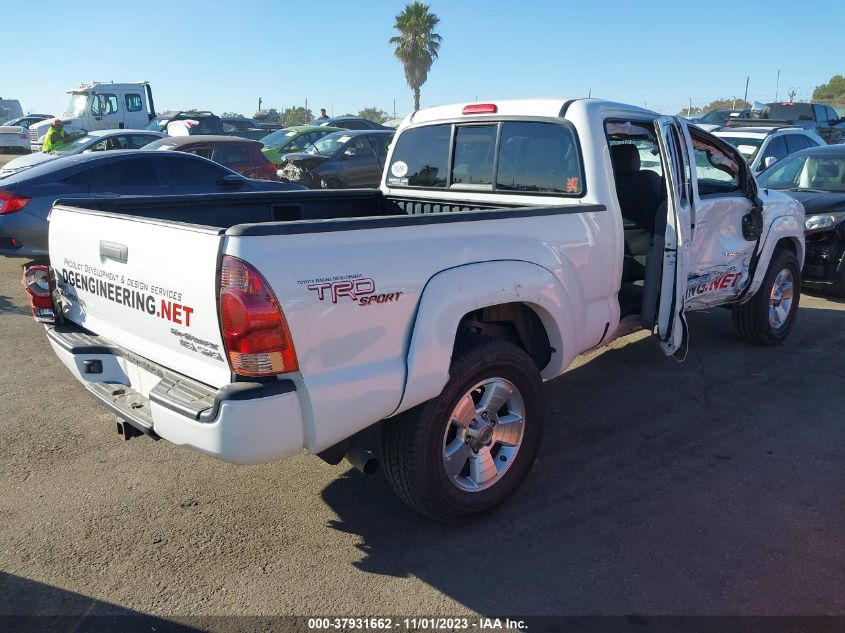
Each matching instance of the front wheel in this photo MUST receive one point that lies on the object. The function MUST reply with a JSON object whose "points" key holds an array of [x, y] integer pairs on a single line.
{"points": [[767, 318], [462, 454]]}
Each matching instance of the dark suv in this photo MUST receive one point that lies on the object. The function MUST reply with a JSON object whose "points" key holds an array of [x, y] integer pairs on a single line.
{"points": [[207, 122]]}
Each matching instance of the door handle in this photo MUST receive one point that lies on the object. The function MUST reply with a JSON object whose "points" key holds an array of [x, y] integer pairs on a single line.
{"points": [[114, 251]]}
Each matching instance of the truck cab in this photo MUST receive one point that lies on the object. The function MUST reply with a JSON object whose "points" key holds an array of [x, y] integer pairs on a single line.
{"points": [[102, 106]]}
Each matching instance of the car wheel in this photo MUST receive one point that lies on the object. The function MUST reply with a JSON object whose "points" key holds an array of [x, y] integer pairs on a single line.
{"points": [[767, 318], [461, 455]]}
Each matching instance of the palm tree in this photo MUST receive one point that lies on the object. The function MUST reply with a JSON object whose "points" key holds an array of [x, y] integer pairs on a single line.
{"points": [[417, 45]]}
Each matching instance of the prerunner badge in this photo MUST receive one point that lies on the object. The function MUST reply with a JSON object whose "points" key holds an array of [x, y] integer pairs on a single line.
{"points": [[399, 168]]}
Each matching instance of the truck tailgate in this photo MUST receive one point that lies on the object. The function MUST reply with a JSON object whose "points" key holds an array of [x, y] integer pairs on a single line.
{"points": [[145, 285]]}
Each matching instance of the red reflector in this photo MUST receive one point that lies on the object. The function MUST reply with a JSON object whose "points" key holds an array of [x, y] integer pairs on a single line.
{"points": [[255, 333], [9, 202], [481, 108]]}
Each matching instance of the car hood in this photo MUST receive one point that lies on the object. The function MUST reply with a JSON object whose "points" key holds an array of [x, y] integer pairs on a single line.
{"points": [[27, 161], [815, 202], [302, 157]]}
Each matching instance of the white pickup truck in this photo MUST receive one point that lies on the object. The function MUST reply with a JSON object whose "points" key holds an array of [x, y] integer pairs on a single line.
{"points": [[505, 240]]}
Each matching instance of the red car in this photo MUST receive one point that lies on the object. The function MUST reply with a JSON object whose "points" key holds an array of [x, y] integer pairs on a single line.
{"points": [[238, 154]]}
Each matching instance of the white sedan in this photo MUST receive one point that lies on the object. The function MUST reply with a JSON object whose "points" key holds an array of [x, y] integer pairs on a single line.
{"points": [[14, 139]]}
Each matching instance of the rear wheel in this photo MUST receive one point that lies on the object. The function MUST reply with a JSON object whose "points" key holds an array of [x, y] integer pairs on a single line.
{"points": [[767, 318], [462, 454]]}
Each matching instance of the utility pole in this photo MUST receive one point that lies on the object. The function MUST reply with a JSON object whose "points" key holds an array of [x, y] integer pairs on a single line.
{"points": [[689, 109], [259, 104], [589, 93], [394, 107], [747, 79], [777, 85], [305, 114]]}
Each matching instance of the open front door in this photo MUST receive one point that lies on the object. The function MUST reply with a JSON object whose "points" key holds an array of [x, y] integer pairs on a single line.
{"points": [[671, 327]]}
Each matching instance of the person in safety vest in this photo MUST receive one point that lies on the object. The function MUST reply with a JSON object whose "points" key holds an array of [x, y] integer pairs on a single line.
{"points": [[55, 136]]}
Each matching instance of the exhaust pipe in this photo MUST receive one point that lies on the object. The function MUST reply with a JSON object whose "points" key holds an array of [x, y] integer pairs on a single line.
{"points": [[363, 460]]}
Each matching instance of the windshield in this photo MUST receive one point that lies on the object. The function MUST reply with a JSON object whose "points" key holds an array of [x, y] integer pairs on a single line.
{"points": [[716, 116], [329, 145], [158, 124], [279, 138], [76, 105], [806, 171], [746, 145], [73, 147], [788, 111]]}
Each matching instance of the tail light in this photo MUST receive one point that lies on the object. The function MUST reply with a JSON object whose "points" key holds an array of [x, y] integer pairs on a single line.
{"points": [[23, 136], [9, 202], [36, 282], [255, 333]]}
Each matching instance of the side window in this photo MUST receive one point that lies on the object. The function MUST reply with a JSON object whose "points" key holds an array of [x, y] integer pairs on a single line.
{"points": [[133, 172], [355, 125], [821, 114], [717, 171], [475, 148], [137, 141], [795, 142], [133, 102], [538, 157], [777, 149], [831, 114], [103, 105], [189, 171], [199, 150]]}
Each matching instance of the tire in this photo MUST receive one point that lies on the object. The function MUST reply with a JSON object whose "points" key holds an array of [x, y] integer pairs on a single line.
{"points": [[414, 443], [758, 321]]}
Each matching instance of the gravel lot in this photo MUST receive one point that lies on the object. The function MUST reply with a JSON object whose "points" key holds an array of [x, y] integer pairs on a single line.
{"points": [[708, 487]]}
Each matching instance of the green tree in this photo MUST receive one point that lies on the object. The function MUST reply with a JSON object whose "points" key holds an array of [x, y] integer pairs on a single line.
{"points": [[831, 93], [296, 116], [373, 114], [232, 115], [417, 45]]}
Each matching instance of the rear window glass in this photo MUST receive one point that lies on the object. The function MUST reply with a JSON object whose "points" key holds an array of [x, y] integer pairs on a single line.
{"points": [[539, 157], [475, 148], [524, 156], [789, 111], [421, 157]]}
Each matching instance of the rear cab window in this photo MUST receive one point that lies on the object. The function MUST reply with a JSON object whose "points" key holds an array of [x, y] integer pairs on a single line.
{"points": [[503, 156]]}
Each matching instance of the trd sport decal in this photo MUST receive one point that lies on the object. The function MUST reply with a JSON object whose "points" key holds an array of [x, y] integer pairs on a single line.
{"points": [[355, 288]]}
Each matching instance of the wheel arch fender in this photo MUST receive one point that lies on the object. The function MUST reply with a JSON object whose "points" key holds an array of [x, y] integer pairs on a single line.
{"points": [[453, 293], [787, 228]]}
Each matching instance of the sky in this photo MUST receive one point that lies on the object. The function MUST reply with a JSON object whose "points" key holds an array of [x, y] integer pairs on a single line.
{"points": [[223, 56]]}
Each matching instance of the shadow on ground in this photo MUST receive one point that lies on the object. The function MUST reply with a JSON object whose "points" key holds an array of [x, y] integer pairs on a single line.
{"points": [[711, 486]]}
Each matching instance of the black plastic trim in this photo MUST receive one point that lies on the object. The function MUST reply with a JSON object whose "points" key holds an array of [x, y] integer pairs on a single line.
{"points": [[360, 224]]}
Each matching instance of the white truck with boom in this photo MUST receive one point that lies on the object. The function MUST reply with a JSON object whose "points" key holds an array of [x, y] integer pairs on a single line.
{"points": [[506, 238], [101, 106]]}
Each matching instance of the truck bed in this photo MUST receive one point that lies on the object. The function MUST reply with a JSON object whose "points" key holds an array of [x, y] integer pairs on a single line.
{"points": [[227, 210]]}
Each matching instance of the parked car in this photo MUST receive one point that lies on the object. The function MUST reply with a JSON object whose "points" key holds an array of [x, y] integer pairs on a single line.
{"points": [[351, 123], [96, 141], [763, 146], [238, 154], [293, 139], [194, 122], [490, 258], [242, 127], [352, 158], [816, 178], [717, 118], [26, 197], [29, 119], [101, 106], [14, 139], [819, 117]]}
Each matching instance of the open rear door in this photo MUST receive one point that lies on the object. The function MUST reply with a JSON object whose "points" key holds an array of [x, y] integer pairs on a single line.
{"points": [[670, 322]]}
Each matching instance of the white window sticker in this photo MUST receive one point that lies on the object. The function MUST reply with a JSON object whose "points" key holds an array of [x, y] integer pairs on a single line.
{"points": [[343, 139], [746, 149], [399, 168]]}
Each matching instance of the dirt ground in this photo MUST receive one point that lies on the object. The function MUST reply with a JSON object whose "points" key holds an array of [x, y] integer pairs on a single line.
{"points": [[713, 486]]}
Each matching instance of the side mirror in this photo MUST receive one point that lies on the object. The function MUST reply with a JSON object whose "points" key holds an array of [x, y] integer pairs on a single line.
{"points": [[769, 161], [231, 181], [348, 153]]}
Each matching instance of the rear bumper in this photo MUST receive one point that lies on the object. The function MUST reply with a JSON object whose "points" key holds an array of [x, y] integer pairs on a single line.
{"points": [[242, 423]]}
